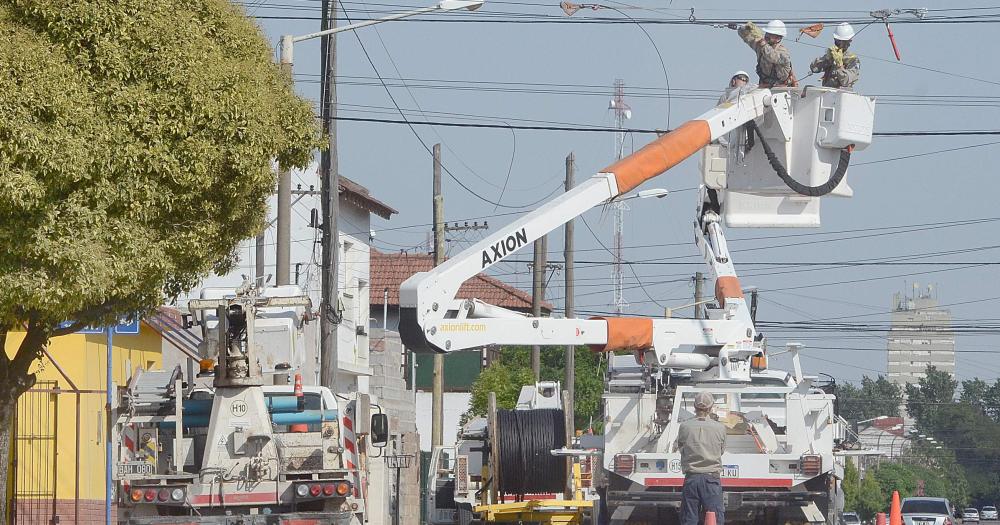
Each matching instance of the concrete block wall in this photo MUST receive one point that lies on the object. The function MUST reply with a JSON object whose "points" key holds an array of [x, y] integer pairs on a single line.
{"points": [[388, 386]]}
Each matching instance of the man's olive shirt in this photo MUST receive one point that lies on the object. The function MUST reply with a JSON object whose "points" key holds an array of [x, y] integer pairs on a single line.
{"points": [[702, 441]]}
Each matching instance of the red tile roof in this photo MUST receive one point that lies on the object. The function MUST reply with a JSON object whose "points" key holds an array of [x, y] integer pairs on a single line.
{"points": [[389, 270]]}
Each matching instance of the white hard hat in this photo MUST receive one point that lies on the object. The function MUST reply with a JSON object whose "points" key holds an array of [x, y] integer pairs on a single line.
{"points": [[775, 27], [844, 32], [740, 72]]}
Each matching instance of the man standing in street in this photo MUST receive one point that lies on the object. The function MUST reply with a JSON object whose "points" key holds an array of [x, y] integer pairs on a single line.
{"points": [[774, 62], [840, 67], [701, 441]]}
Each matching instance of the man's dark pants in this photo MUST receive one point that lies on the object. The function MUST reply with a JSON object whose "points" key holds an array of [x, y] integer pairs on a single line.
{"points": [[701, 493]]}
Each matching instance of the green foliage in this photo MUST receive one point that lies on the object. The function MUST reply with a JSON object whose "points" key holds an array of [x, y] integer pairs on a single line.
{"points": [[862, 496], [512, 370], [927, 400], [851, 485], [503, 379], [939, 478], [875, 397], [136, 147], [870, 498], [983, 396]]}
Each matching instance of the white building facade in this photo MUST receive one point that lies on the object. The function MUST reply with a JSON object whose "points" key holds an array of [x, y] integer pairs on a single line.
{"points": [[920, 335]]}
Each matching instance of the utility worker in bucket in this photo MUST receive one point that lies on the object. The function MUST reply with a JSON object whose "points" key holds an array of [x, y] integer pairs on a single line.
{"points": [[840, 67], [774, 62], [739, 85], [701, 441]]}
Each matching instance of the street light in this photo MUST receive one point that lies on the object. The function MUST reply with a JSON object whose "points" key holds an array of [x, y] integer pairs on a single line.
{"points": [[444, 5], [876, 418], [657, 193]]}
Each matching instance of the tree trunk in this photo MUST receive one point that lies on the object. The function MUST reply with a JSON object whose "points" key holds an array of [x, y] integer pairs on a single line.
{"points": [[15, 379], [6, 431]]}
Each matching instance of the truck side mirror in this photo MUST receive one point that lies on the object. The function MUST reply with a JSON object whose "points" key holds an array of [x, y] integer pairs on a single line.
{"points": [[380, 430]]}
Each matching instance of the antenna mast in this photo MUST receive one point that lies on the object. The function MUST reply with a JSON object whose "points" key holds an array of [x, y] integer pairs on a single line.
{"points": [[622, 113]]}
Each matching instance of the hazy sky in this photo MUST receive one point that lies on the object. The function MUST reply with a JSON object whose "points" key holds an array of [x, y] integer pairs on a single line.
{"points": [[543, 73]]}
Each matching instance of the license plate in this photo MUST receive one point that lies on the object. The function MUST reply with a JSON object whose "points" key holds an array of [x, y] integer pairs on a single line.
{"points": [[730, 471], [132, 468]]}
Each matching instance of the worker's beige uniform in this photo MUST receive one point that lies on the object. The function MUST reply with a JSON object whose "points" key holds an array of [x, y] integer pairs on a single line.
{"points": [[774, 63], [841, 69], [701, 441]]}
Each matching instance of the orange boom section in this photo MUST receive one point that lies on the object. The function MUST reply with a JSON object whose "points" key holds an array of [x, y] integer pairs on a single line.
{"points": [[626, 333], [660, 155], [727, 287]]}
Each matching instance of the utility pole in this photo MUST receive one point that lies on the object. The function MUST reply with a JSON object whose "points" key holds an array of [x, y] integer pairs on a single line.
{"points": [[437, 395], [753, 304], [330, 197], [537, 295], [568, 306], [699, 308], [283, 238], [259, 257]]}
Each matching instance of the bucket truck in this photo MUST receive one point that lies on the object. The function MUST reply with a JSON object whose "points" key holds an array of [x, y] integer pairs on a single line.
{"points": [[786, 149], [240, 451]]}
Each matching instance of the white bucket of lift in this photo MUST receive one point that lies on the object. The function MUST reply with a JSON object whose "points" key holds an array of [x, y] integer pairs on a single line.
{"points": [[824, 122]]}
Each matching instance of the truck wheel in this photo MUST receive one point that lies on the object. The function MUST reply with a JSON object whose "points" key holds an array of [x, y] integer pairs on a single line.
{"points": [[465, 514]]}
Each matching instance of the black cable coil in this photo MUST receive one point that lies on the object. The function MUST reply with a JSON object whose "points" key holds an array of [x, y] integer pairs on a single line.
{"points": [[525, 439], [810, 191]]}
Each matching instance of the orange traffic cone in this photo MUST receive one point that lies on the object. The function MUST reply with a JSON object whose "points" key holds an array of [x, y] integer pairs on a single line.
{"points": [[895, 515], [709, 518], [880, 518], [300, 397]]}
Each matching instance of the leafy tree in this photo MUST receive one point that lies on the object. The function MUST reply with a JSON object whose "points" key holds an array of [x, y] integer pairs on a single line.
{"points": [[939, 478], [875, 397], [851, 485], [504, 380], [507, 375], [974, 393], [870, 498], [136, 147], [928, 398]]}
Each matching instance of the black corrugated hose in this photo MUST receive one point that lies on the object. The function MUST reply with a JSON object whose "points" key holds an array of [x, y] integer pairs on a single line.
{"points": [[796, 186], [525, 439]]}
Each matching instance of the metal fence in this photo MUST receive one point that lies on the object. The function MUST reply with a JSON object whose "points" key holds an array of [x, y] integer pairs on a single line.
{"points": [[36, 465]]}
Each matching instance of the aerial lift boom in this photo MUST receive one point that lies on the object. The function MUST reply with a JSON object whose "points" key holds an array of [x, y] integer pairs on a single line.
{"points": [[433, 320]]}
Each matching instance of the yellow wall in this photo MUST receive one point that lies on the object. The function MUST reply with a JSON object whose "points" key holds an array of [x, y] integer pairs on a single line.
{"points": [[83, 359]]}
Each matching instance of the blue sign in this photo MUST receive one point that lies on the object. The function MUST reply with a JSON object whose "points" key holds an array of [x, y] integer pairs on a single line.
{"points": [[131, 328], [128, 328]]}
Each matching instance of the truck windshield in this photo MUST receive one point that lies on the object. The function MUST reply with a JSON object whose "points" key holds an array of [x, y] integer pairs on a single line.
{"points": [[924, 506]]}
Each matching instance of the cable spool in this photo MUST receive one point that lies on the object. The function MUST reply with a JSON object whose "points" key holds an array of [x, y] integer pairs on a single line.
{"points": [[525, 440]]}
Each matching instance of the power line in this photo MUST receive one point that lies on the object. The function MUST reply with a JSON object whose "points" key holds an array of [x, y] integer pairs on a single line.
{"points": [[424, 145], [595, 129]]}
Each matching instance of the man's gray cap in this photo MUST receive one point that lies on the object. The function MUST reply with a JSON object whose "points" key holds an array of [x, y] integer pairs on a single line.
{"points": [[703, 401]]}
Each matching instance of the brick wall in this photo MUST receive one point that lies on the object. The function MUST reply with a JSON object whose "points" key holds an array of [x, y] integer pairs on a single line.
{"points": [[41, 512]]}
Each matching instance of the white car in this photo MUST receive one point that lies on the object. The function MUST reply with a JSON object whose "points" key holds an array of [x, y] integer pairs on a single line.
{"points": [[970, 515], [988, 513], [928, 511]]}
